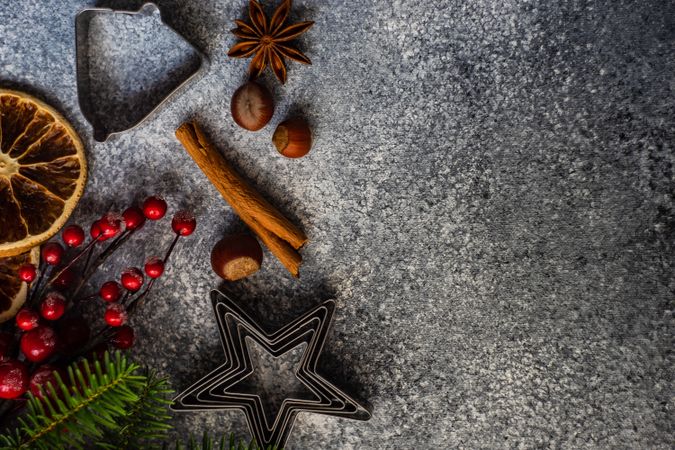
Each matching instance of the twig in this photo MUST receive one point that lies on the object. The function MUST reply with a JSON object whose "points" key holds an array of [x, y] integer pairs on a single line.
{"points": [[37, 292], [72, 262], [103, 256], [134, 303]]}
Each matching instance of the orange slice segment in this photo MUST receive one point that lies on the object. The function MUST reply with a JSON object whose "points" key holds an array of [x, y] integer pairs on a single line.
{"points": [[43, 170], [13, 291]]}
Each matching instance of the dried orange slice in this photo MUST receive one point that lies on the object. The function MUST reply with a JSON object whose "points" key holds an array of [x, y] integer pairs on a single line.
{"points": [[42, 172], [13, 291]]}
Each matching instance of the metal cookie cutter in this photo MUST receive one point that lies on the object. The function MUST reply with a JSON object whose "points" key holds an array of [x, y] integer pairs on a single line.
{"points": [[126, 72], [219, 391]]}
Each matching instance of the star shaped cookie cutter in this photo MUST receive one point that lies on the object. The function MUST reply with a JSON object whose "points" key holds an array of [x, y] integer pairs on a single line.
{"points": [[215, 390]]}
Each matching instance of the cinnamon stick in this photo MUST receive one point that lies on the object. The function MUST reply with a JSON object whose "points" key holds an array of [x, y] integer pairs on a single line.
{"points": [[275, 230], [234, 187], [290, 258]]}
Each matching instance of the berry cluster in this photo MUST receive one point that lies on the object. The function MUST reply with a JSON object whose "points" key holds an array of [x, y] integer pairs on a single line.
{"points": [[51, 331]]}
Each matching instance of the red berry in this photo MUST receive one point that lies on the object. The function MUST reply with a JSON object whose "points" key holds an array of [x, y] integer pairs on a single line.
{"points": [[13, 379], [115, 315], [52, 253], [27, 273], [65, 279], [27, 319], [73, 333], [154, 208], [110, 225], [154, 267], [132, 279], [95, 230], [38, 381], [6, 340], [123, 337], [53, 306], [183, 223], [73, 235], [111, 291], [39, 343], [133, 218]]}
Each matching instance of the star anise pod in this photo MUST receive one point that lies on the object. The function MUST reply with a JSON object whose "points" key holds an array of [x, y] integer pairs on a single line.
{"points": [[268, 40]]}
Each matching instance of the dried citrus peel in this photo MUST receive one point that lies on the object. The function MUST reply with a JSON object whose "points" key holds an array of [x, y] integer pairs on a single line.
{"points": [[13, 291], [43, 170]]}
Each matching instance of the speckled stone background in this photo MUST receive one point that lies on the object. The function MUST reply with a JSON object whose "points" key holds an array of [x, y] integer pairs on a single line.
{"points": [[489, 200]]}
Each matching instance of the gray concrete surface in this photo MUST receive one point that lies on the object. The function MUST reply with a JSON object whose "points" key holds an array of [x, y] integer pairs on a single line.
{"points": [[489, 199]]}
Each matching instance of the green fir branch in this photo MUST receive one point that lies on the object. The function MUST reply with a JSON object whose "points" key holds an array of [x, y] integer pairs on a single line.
{"points": [[109, 405], [68, 417], [225, 443], [146, 422]]}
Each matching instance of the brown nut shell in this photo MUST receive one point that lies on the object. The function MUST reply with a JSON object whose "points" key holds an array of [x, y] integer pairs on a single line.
{"points": [[293, 138], [236, 257], [252, 106]]}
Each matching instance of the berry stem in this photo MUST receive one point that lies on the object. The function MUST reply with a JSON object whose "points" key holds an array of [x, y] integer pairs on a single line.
{"points": [[116, 242], [173, 244], [110, 249], [36, 283], [72, 262], [84, 270], [88, 260], [134, 303], [114, 245], [95, 340], [103, 256], [99, 333], [141, 296], [88, 297], [125, 298], [38, 290]]}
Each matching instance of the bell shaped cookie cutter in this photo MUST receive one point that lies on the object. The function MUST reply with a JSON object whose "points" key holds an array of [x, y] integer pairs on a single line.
{"points": [[92, 80]]}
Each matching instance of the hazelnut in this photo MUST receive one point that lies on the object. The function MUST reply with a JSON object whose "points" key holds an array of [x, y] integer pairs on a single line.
{"points": [[235, 257], [252, 106], [293, 138]]}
